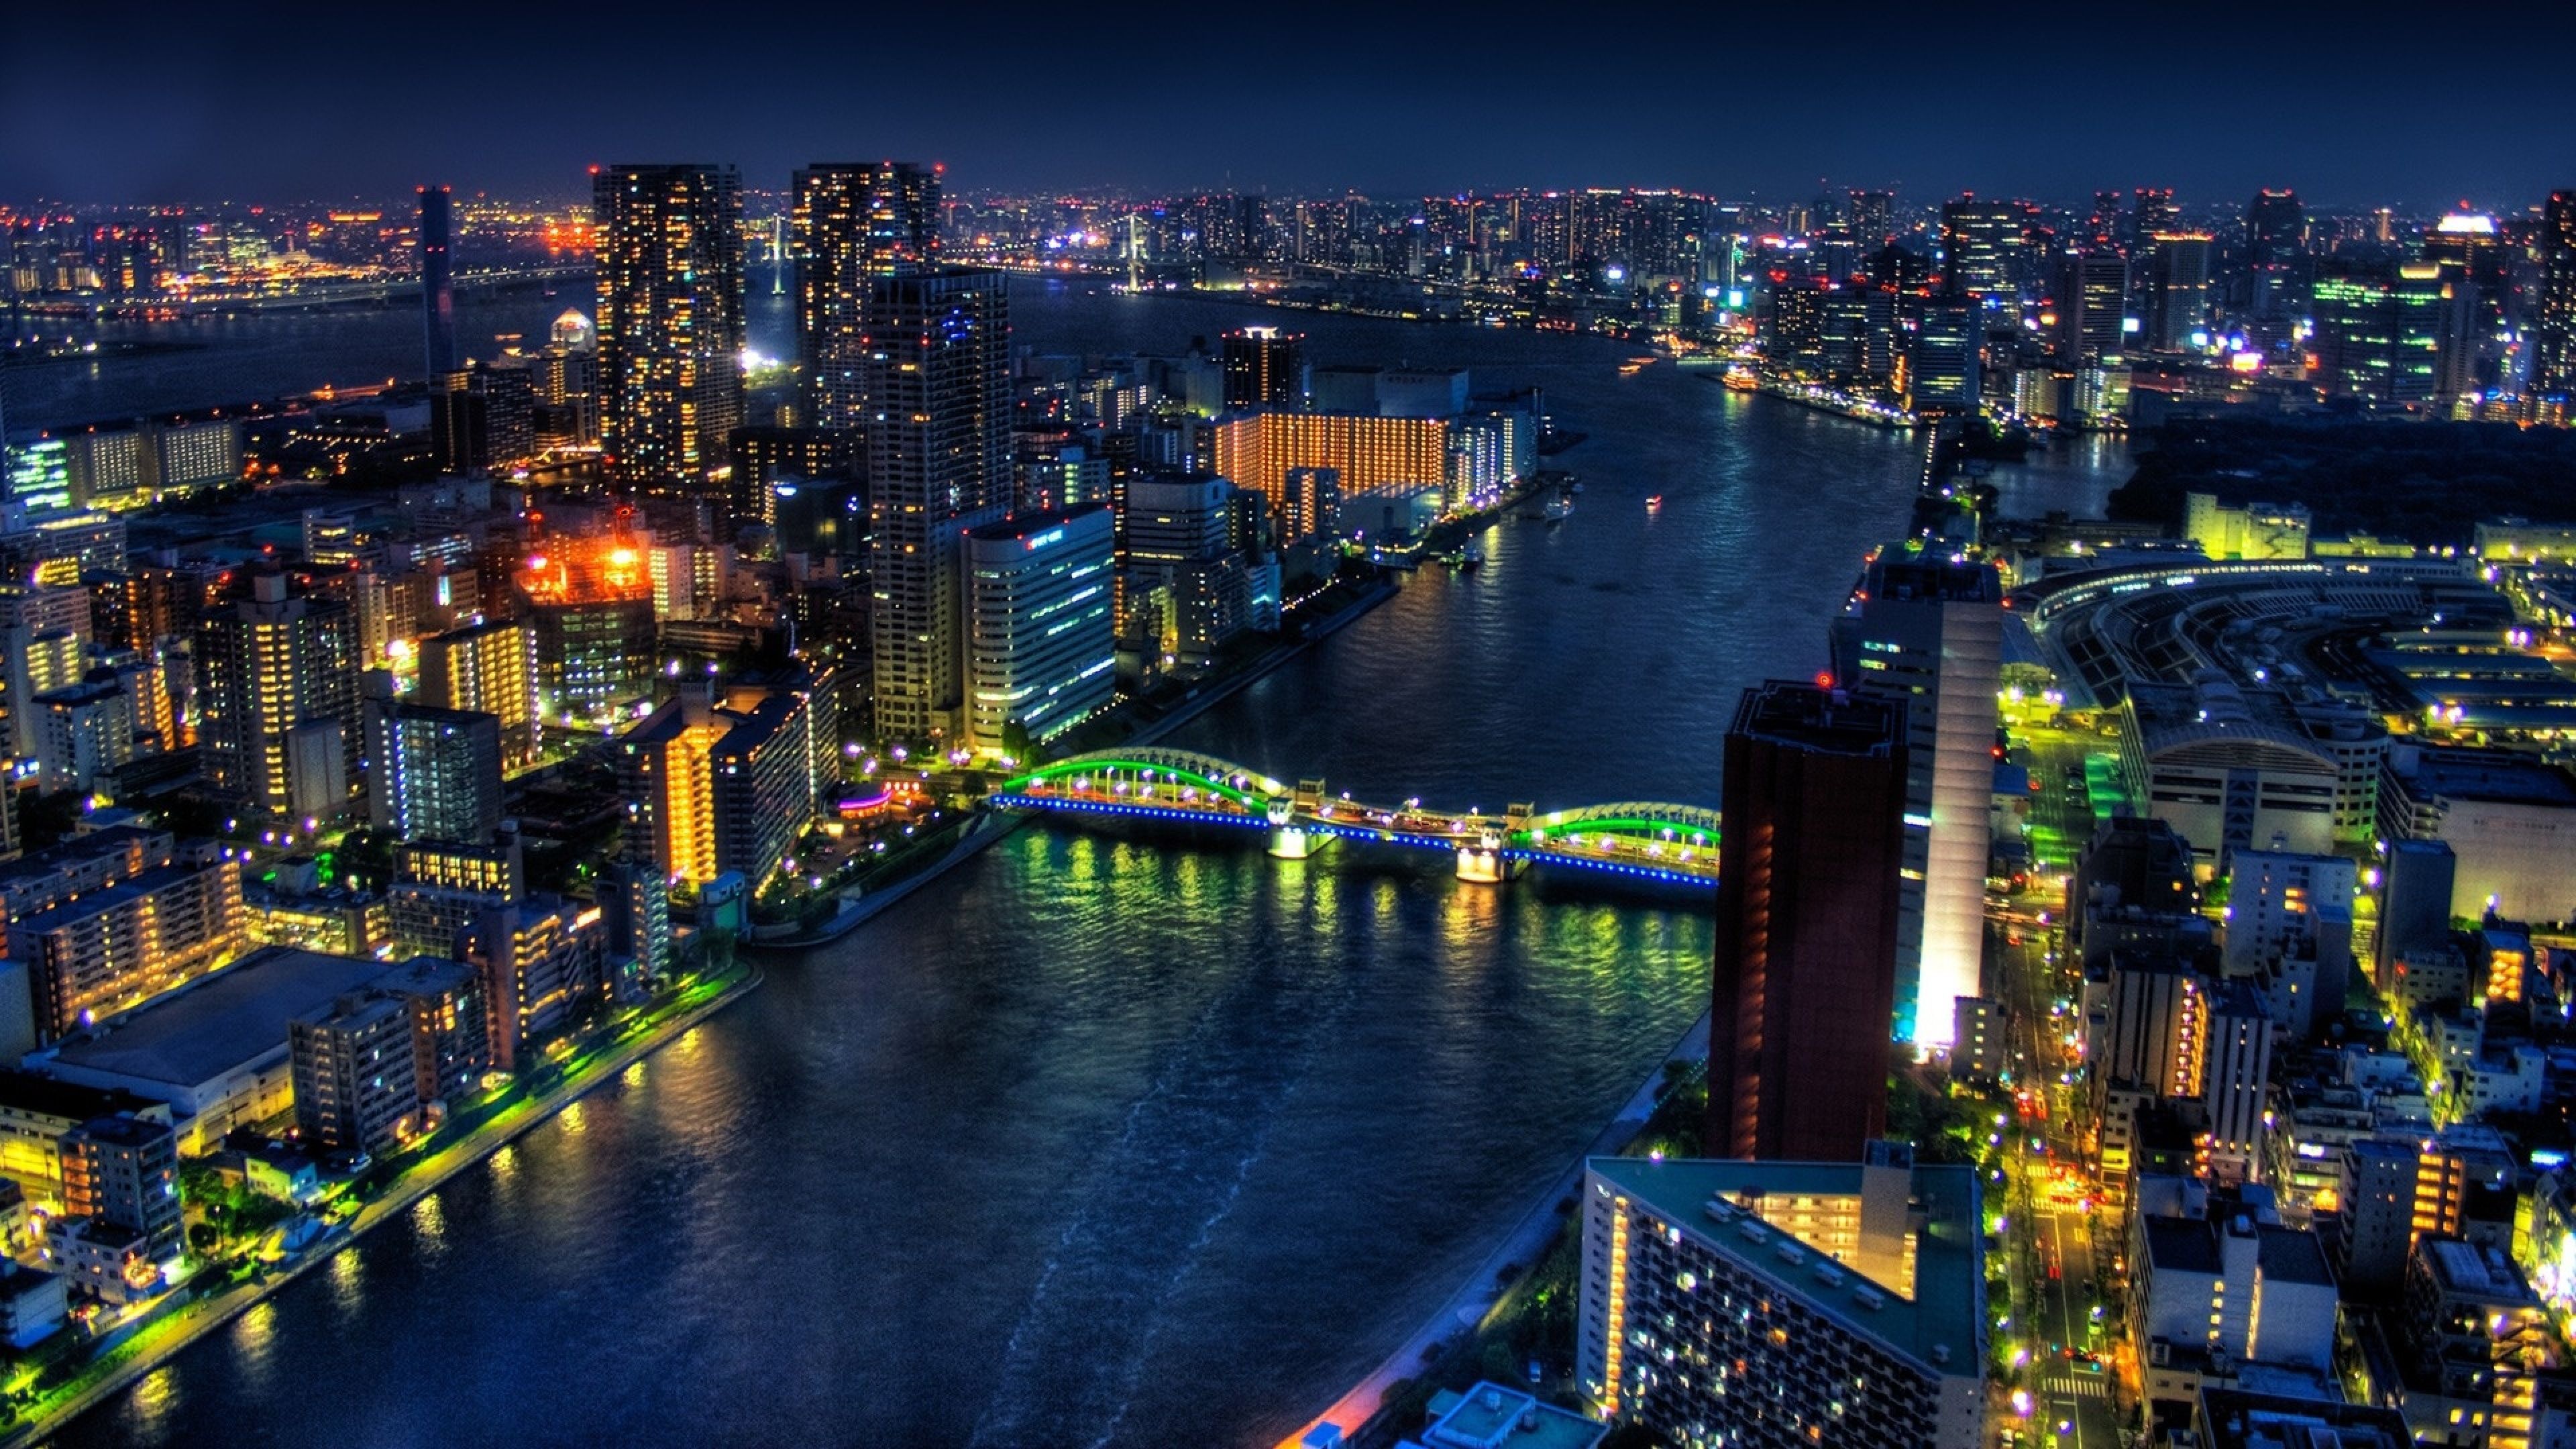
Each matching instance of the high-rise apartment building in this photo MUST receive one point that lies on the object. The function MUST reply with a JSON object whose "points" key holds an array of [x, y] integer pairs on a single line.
{"points": [[1264, 368], [854, 223], [123, 1172], [437, 280], [2236, 1074], [1807, 911], [938, 427], [716, 787], [433, 773], [1779, 1305], [1930, 629], [670, 324], [277, 691], [103, 951], [488, 668], [357, 1087], [1042, 631], [1367, 454]]}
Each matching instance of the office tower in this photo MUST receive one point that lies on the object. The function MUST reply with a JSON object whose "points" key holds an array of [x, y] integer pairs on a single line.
{"points": [[1807, 910], [670, 323], [82, 734], [1982, 244], [434, 773], [1041, 634], [1264, 368], [2177, 289], [1873, 217], [2092, 305], [1187, 587], [1930, 630], [38, 476], [1837, 1302], [44, 635], [2389, 336], [488, 668], [1945, 367], [277, 689], [713, 787], [854, 223], [2414, 904], [939, 463], [123, 1172], [2276, 237], [2151, 211], [2236, 1076], [437, 280], [98, 953], [357, 1085], [2553, 368]]}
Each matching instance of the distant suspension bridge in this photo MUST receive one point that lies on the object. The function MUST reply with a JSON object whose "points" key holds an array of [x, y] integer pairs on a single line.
{"points": [[1671, 844]]}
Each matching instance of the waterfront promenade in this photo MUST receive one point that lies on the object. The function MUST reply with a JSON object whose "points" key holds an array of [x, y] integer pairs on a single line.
{"points": [[137, 1349], [1466, 1309]]}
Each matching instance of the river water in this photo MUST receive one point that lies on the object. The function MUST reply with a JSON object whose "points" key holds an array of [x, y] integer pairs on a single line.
{"points": [[1131, 1141]]}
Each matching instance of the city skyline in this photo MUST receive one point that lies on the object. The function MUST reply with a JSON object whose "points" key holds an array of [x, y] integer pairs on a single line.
{"points": [[2214, 102]]}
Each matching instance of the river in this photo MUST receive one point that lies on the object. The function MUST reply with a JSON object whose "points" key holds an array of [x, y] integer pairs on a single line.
{"points": [[1131, 1141]]}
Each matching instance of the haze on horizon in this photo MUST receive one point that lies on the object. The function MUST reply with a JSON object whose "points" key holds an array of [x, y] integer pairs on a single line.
{"points": [[2053, 102]]}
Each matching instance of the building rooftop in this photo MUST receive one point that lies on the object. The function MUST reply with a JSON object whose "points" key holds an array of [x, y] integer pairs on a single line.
{"points": [[125, 892], [1831, 721], [216, 1023], [42, 1096], [1939, 1326], [1489, 1415], [2293, 1256], [2236, 1419], [2492, 775]]}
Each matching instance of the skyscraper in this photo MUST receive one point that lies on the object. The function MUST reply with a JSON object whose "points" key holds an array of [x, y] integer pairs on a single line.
{"points": [[2177, 289], [670, 320], [1807, 907], [854, 222], [1264, 368], [2553, 371], [2092, 305], [1981, 245], [277, 688], [437, 280], [1930, 630], [938, 425]]}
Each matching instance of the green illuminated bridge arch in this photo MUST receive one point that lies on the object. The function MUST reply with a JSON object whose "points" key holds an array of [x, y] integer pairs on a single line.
{"points": [[1644, 839]]}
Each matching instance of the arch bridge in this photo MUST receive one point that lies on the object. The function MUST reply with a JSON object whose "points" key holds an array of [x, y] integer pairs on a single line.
{"points": [[1642, 840]]}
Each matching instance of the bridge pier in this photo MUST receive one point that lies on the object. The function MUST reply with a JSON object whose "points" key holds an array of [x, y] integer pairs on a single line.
{"points": [[1288, 839], [1484, 862]]}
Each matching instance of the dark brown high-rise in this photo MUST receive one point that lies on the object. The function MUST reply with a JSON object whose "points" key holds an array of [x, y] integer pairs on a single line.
{"points": [[1804, 999]]}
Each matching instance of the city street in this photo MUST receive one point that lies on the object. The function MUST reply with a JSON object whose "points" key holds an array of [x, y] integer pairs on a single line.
{"points": [[2072, 1374]]}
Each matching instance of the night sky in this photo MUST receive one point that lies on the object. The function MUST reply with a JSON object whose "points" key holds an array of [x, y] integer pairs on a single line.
{"points": [[2410, 108]]}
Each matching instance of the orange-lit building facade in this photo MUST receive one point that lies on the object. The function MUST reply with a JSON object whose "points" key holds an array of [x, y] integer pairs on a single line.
{"points": [[1258, 450]]}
